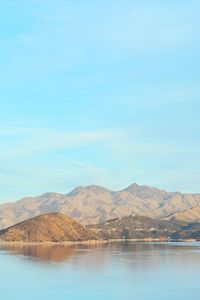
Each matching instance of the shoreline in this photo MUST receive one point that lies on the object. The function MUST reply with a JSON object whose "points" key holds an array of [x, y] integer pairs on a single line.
{"points": [[95, 242], [89, 242]]}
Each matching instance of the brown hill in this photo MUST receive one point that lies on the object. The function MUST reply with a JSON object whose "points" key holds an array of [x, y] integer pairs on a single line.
{"points": [[53, 227], [95, 204], [136, 227]]}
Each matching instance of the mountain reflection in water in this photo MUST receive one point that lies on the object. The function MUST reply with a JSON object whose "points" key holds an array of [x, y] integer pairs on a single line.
{"points": [[101, 255], [48, 253]]}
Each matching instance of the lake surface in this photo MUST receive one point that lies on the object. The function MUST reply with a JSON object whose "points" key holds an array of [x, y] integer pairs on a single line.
{"points": [[120, 270]]}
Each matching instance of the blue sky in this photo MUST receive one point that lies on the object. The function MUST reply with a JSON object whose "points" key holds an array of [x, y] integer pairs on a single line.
{"points": [[99, 92]]}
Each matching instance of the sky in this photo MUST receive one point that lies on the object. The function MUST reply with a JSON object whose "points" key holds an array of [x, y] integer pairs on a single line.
{"points": [[99, 92]]}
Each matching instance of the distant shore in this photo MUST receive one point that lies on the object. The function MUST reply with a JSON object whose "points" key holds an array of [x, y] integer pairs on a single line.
{"points": [[95, 242]]}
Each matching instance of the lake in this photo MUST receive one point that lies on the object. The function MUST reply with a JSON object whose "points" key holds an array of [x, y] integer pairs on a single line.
{"points": [[118, 270]]}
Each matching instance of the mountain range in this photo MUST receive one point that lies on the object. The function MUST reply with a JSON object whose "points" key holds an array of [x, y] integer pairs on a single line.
{"points": [[95, 204]]}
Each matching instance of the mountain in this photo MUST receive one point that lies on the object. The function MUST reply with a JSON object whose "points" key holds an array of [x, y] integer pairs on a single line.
{"points": [[95, 204], [52, 227], [135, 227]]}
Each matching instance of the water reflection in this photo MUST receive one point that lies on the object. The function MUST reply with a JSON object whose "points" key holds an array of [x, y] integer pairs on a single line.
{"points": [[101, 256], [136, 256], [44, 253], [147, 271]]}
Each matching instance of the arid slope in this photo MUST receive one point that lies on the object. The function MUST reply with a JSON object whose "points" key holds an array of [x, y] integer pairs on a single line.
{"points": [[53, 227]]}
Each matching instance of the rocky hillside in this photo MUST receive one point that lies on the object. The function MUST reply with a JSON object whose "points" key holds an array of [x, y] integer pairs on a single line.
{"points": [[95, 204], [53, 227], [136, 227]]}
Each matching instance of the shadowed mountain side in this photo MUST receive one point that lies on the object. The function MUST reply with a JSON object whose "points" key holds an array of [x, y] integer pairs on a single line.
{"points": [[95, 204], [53, 227], [191, 231], [135, 227]]}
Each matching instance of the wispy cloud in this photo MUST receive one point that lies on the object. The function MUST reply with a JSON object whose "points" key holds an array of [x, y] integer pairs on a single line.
{"points": [[20, 142], [79, 164]]}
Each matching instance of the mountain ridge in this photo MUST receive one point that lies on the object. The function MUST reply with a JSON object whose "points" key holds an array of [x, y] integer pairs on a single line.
{"points": [[94, 204]]}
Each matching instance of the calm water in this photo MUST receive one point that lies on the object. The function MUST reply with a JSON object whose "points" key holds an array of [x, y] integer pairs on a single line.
{"points": [[136, 271]]}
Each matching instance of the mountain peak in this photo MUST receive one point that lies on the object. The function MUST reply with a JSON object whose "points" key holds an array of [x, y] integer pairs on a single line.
{"points": [[144, 191], [96, 189]]}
